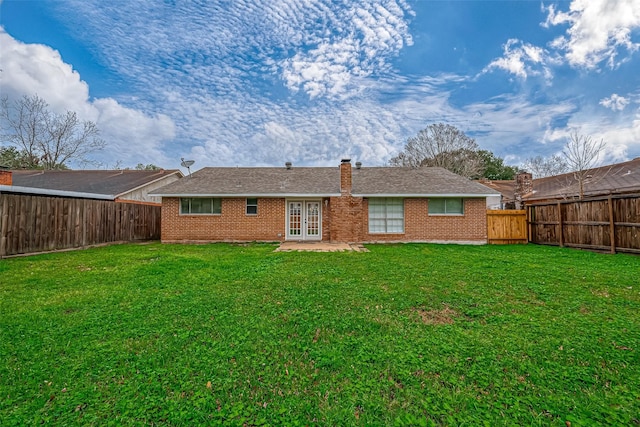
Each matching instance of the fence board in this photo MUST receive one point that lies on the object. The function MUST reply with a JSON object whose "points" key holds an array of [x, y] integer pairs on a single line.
{"points": [[506, 226], [38, 223], [608, 224]]}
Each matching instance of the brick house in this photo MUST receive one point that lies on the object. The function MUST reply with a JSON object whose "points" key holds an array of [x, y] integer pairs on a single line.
{"points": [[343, 204]]}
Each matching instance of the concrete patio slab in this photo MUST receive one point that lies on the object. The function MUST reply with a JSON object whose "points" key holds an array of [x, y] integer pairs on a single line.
{"points": [[320, 247]]}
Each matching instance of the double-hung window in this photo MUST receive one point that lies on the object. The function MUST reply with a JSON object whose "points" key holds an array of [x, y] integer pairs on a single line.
{"points": [[200, 206], [446, 206], [386, 215], [252, 207]]}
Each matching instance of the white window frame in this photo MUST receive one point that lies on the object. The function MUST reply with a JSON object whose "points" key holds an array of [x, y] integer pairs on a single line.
{"points": [[248, 205], [383, 214], [214, 201], [446, 213]]}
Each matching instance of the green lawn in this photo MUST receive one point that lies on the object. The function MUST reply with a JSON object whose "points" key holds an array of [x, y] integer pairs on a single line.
{"points": [[239, 335]]}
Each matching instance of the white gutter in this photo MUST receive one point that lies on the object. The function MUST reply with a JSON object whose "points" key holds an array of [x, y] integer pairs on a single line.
{"points": [[273, 195], [48, 192], [427, 195], [250, 195]]}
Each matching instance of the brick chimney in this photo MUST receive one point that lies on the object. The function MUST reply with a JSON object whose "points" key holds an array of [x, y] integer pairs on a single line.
{"points": [[345, 176], [6, 177], [524, 186]]}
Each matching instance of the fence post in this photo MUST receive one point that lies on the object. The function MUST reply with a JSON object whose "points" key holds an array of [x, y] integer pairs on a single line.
{"points": [[560, 226], [612, 226], [4, 220]]}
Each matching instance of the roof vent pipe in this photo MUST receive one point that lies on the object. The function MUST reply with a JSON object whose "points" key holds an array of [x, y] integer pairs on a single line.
{"points": [[288, 165], [358, 165]]}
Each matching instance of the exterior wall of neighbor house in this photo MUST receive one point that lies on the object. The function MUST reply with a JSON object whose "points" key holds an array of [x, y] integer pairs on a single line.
{"points": [[233, 224], [142, 194]]}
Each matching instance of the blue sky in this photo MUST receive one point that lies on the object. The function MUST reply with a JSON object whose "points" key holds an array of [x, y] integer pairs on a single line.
{"points": [[258, 83]]}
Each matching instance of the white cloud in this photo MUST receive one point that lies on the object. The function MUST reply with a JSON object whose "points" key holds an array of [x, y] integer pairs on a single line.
{"points": [[368, 34], [132, 136], [522, 59], [621, 136], [615, 102], [599, 30]]}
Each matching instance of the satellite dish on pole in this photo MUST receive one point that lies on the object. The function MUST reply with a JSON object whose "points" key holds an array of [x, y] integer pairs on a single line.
{"points": [[187, 164]]}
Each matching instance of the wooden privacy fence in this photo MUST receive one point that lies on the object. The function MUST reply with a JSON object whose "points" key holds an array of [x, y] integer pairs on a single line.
{"points": [[608, 223], [36, 223], [506, 226]]}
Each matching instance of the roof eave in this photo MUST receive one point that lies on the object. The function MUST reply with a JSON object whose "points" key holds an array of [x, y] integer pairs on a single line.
{"points": [[265, 195], [48, 192]]}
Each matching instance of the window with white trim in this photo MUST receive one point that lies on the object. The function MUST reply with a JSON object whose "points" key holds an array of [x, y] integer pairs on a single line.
{"points": [[252, 206], [200, 206], [386, 215], [446, 206]]}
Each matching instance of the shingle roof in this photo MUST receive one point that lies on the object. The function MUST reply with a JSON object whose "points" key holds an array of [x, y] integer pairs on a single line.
{"points": [[422, 181], [505, 187], [256, 181], [100, 182], [611, 179], [321, 181]]}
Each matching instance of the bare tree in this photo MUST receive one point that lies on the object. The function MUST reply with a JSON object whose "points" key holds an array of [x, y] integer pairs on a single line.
{"points": [[581, 153], [546, 166], [441, 145], [49, 140]]}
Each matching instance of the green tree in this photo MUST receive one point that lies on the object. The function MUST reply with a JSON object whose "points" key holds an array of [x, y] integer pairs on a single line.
{"points": [[147, 167], [13, 158], [494, 167]]}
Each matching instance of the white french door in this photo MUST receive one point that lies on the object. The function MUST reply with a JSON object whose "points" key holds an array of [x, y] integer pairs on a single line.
{"points": [[304, 220]]}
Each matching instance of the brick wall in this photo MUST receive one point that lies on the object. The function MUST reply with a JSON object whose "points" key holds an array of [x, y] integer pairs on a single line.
{"points": [[353, 224], [345, 177], [6, 178], [344, 219], [231, 225]]}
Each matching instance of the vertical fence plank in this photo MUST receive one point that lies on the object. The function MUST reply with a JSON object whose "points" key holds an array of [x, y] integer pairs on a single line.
{"points": [[506, 226], [560, 225], [612, 226], [609, 223], [40, 223], [4, 223]]}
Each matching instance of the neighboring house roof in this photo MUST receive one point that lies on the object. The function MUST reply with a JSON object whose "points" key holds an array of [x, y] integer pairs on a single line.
{"points": [[321, 181], [611, 179], [98, 184], [504, 187]]}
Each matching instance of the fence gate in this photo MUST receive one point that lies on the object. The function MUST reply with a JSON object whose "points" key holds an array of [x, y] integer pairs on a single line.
{"points": [[506, 227]]}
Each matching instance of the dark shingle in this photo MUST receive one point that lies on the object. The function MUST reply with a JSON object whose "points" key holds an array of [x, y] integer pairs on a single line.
{"points": [[257, 181], [612, 179], [322, 181], [107, 182], [409, 181]]}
